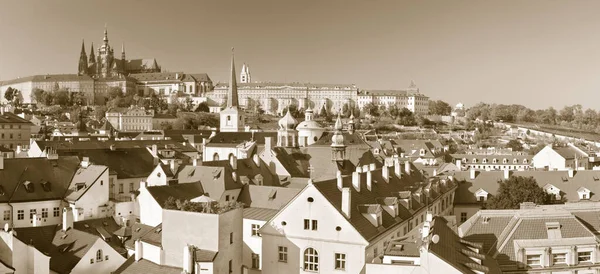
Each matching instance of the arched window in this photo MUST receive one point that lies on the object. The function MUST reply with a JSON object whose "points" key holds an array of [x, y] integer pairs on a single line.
{"points": [[311, 259], [216, 156], [524, 161], [99, 255], [494, 160], [504, 161], [474, 160]]}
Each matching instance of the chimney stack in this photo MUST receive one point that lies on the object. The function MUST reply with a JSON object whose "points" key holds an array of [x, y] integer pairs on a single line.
{"points": [[85, 162], [154, 150], [385, 173], [571, 173], [35, 221], [188, 258], [256, 160], [340, 182], [67, 218], [138, 250], [268, 144], [233, 162], [407, 167], [472, 173], [369, 180], [506, 174], [397, 169], [346, 202], [434, 172], [459, 164], [1, 162], [356, 179], [197, 162], [174, 166]]}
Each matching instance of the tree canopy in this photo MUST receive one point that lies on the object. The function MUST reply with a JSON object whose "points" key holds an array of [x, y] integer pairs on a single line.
{"points": [[439, 107], [515, 145], [516, 190]]}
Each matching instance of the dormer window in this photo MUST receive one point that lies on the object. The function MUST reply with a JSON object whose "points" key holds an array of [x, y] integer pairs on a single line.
{"points": [[481, 195], [524, 161], [584, 193], [484, 161], [494, 161], [504, 161], [515, 161], [422, 152], [28, 186], [474, 160], [464, 160], [79, 186]]}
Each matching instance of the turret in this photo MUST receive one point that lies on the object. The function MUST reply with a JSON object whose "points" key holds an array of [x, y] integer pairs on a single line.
{"points": [[338, 148], [83, 65], [351, 126]]}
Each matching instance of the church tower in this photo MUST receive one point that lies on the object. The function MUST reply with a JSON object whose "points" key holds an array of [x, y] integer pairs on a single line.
{"points": [[105, 57], [351, 125], [245, 74], [83, 65], [92, 61], [338, 148], [287, 136], [232, 118]]}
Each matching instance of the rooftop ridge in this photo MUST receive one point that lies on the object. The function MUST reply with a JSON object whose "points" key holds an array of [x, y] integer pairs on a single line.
{"points": [[506, 234]]}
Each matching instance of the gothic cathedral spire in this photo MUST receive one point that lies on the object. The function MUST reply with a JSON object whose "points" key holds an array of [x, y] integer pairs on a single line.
{"points": [[83, 65], [232, 93], [123, 52]]}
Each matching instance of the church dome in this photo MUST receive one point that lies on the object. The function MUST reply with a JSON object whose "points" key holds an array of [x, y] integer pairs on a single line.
{"points": [[309, 125], [337, 140], [288, 122]]}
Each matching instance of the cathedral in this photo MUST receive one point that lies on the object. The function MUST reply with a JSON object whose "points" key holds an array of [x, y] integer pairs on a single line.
{"points": [[103, 64]]}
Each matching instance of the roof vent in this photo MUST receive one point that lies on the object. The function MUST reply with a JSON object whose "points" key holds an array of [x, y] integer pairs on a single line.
{"points": [[28, 186]]}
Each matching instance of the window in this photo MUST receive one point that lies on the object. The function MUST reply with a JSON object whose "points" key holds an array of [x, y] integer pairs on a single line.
{"points": [[306, 224], [559, 258], [584, 256], [481, 198], [231, 238], [463, 217], [44, 213], [230, 266], [255, 228], [340, 261], [91, 261], [121, 188], [20, 214], [534, 260], [375, 252], [314, 224], [99, 255], [106, 258], [255, 261], [56, 212], [31, 213], [131, 187], [311, 260], [283, 254]]}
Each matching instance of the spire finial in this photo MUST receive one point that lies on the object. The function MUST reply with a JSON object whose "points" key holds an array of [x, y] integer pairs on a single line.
{"points": [[105, 33], [232, 94]]}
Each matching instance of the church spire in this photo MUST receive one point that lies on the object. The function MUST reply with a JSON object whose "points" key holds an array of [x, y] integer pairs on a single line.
{"points": [[232, 93], [123, 51], [338, 148], [105, 35], [83, 65], [92, 55]]}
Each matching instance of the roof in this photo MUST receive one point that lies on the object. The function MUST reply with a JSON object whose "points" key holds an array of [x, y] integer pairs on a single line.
{"points": [[488, 181], [201, 77], [275, 85], [201, 255], [293, 160], [104, 228], [131, 266], [183, 191], [246, 168], [178, 135], [269, 197], [141, 64], [126, 163], [380, 189], [490, 159], [11, 118], [261, 214], [238, 137], [153, 236], [87, 175], [61, 145], [36, 179], [51, 240], [569, 152], [134, 232]]}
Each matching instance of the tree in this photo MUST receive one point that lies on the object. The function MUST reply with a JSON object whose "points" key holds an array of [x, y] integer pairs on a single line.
{"points": [[37, 95], [203, 107], [9, 94], [534, 150], [293, 109], [99, 112], [516, 190], [115, 92], [515, 145], [166, 126], [323, 113], [371, 109], [439, 107], [61, 97]]}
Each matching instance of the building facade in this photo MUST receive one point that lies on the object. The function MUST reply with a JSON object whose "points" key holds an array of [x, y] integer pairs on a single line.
{"points": [[130, 119]]}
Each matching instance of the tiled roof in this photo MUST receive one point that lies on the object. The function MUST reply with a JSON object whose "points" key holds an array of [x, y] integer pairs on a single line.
{"points": [[268, 197], [293, 160], [568, 152], [11, 118], [182, 191], [51, 239], [153, 236], [141, 64], [490, 159], [87, 175], [262, 214], [238, 137], [350, 140], [201, 77], [61, 78], [104, 228], [137, 231], [86, 145], [380, 189], [283, 85], [201, 255], [249, 169], [45, 180], [126, 163], [131, 266]]}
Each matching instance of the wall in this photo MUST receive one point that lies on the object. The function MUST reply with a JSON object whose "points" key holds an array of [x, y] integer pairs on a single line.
{"points": [[252, 244], [105, 265], [153, 253], [95, 196], [550, 158], [202, 229], [150, 210], [230, 222], [125, 210], [127, 189], [223, 153], [13, 135], [26, 206], [154, 179]]}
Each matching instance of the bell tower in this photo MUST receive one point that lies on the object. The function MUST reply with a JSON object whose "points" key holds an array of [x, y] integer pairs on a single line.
{"points": [[245, 74], [232, 117]]}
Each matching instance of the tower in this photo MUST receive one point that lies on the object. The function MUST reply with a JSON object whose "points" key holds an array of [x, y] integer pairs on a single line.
{"points": [[105, 57], [83, 65], [245, 74], [232, 118], [92, 60], [287, 136], [123, 52], [338, 148], [351, 125]]}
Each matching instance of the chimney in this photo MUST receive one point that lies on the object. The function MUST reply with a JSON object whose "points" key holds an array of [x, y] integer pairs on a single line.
{"points": [[458, 163], [67, 218], [256, 160], [346, 202], [434, 172], [571, 173], [188, 258], [340, 182], [385, 173], [36, 220], [356, 179], [1, 162], [138, 250], [407, 167], [174, 166], [268, 144], [369, 180], [233, 162], [506, 174], [154, 150], [372, 166], [472, 173], [85, 162], [143, 185], [397, 169], [196, 162]]}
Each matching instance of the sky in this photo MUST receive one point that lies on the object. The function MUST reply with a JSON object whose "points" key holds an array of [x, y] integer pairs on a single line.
{"points": [[538, 53]]}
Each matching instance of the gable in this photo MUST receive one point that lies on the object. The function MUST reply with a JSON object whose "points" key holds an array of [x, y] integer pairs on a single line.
{"points": [[328, 217]]}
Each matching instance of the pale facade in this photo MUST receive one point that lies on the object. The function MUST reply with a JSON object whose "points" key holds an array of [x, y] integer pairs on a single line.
{"points": [[410, 98], [130, 119]]}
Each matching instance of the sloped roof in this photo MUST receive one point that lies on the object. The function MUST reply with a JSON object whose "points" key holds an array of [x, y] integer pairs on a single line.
{"points": [[294, 160], [11, 118], [103, 228], [490, 159], [131, 266], [246, 167], [269, 197], [182, 191], [276, 85], [126, 163], [380, 189], [568, 152], [262, 214], [201, 77], [137, 231], [153, 236], [48, 180], [141, 64], [238, 137], [50, 240], [87, 175]]}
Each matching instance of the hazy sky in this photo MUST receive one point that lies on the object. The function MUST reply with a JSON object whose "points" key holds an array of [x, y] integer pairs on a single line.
{"points": [[535, 53]]}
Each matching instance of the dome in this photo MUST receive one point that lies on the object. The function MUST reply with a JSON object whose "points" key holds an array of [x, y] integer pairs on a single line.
{"points": [[338, 123], [337, 140], [288, 122], [309, 125]]}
